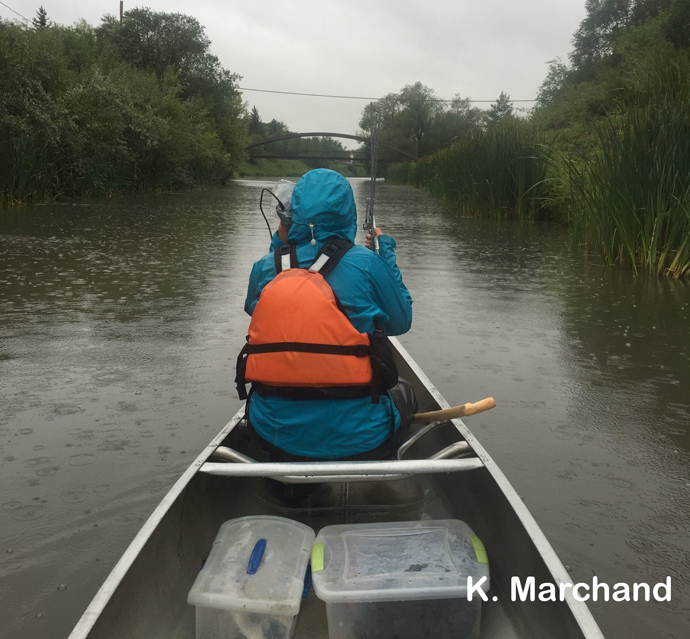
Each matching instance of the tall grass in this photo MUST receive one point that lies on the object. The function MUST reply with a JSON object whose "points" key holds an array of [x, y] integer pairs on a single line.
{"points": [[500, 171], [631, 199]]}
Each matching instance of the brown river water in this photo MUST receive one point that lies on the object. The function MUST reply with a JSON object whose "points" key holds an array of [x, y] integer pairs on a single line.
{"points": [[120, 322]]}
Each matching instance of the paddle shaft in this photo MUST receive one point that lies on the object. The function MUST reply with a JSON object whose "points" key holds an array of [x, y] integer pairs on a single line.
{"points": [[464, 410]]}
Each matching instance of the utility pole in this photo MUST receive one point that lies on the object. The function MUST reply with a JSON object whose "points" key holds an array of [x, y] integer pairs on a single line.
{"points": [[122, 8]]}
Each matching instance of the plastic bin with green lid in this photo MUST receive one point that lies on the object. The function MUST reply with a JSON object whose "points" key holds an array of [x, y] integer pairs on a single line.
{"points": [[402, 580]]}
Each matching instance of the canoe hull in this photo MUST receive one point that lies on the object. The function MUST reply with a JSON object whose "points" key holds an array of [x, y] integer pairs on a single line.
{"points": [[146, 594]]}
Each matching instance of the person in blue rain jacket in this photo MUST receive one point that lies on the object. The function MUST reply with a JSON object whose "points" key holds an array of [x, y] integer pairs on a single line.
{"points": [[371, 289]]}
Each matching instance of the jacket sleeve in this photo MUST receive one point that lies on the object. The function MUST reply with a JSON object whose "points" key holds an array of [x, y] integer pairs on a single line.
{"points": [[390, 293], [261, 274], [254, 288]]}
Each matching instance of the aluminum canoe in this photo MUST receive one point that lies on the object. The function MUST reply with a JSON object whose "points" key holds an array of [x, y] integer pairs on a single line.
{"points": [[145, 596]]}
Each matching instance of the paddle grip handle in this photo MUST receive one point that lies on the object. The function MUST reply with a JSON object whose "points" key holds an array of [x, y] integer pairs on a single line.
{"points": [[464, 410]]}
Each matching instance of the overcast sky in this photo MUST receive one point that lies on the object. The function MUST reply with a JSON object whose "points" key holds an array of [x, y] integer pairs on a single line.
{"points": [[476, 48]]}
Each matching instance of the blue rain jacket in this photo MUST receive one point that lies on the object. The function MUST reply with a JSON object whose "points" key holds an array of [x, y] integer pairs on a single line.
{"points": [[370, 288]]}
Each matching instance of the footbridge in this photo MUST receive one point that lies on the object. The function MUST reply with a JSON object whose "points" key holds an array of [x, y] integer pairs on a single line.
{"points": [[347, 156]]}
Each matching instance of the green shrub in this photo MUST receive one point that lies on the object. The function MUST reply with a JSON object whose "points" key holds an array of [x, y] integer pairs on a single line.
{"points": [[76, 118]]}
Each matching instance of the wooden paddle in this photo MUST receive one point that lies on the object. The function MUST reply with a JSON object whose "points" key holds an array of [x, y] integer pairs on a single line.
{"points": [[464, 410]]}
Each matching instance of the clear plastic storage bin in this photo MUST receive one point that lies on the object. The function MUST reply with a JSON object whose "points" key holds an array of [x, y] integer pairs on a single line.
{"points": [[405, 580], [252, 582]]}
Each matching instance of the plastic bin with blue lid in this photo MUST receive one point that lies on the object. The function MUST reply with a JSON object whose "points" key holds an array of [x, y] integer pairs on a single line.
{"points": [[400, 580], [252, 582]]}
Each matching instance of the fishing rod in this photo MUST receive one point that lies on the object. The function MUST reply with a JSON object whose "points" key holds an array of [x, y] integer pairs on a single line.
{"points": [[369, 219]]}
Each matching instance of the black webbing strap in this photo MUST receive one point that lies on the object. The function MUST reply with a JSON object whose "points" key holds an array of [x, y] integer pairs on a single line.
{"points": [[377, 385], [312, 392], [360, 350], [240, 373], [285, 249], [334, 248]]}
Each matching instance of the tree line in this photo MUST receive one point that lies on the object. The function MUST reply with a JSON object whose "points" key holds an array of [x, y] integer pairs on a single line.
{"points": [[134, 105], [606, 149], [416, 120]]}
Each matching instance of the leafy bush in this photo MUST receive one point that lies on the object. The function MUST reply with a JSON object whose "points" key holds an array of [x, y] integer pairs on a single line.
{"points": [[79, 117]]}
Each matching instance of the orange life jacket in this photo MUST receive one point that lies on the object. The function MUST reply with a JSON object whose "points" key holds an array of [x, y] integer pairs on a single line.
{"points": [[301, 343]]}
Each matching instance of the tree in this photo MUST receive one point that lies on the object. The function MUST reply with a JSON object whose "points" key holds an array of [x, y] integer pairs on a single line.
{"points": [[417, 121], [420, 108], [176, 44], [388, 107], [156, 41], [277, 128], [256, 126], [407, 118], [603, 24], [553, 84], [676, 24], [41, 20], [453, 123], [500, 109]]}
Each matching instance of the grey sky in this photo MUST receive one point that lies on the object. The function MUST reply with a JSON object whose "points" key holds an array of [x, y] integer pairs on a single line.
{"points": [[476, 48]]}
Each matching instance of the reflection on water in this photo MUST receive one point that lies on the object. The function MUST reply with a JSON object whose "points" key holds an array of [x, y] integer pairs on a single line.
{"points": [[120, 322]]}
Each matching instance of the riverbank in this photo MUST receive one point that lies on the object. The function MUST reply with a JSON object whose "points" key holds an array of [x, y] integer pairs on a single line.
{"points": [[605, 149], [627, 197]]}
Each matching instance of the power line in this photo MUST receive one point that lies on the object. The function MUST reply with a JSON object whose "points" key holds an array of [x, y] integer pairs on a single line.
{"points": [[13, 11], [357, 97]]}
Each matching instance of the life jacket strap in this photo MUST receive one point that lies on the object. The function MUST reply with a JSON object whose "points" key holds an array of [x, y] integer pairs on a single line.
{"points": [[240, 373], [312, 392], [327, 258], [330, 254], [359, 350], [285, 257]]}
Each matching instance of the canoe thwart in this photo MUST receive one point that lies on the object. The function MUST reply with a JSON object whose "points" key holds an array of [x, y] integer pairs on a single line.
{"points": [[449, 452], [452, 451], [326, 469], [416, 437], [226, 454]]}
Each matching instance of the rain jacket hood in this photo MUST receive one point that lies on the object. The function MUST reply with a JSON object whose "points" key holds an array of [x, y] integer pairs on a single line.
{"points": [[323, 198]]}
